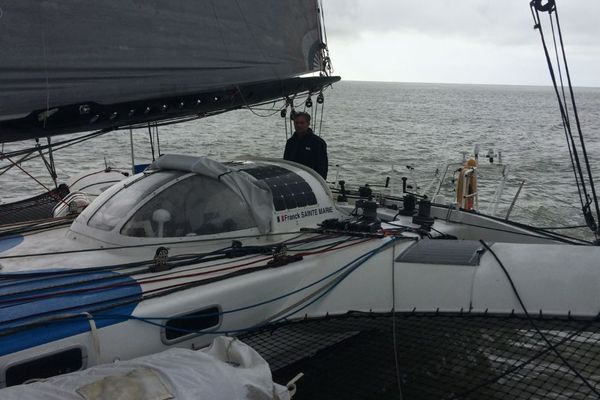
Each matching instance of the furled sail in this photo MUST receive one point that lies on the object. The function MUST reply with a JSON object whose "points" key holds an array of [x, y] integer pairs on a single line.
{"points": [[71, 65]]}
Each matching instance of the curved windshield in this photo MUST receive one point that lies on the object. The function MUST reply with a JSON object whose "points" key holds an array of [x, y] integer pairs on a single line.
{"points": [[197, 205], [112, 212]]}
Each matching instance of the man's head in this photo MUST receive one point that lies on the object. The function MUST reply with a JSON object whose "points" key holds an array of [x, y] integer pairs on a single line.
{"points": [[301, 122]]}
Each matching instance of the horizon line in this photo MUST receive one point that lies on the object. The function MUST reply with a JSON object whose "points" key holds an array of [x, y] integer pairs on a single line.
{"points": [[465, 83]]}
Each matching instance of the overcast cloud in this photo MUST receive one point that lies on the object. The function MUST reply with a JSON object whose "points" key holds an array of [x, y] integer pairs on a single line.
{"points": [[461, 41]]}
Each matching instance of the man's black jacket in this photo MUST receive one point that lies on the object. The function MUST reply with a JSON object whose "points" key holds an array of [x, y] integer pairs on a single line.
{"points": [[309, 150]]}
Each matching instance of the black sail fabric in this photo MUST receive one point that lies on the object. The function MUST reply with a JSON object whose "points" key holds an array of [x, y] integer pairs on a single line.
{"points": [[73, 52]]}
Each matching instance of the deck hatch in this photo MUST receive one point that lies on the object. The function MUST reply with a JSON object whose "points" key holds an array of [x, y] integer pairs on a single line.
{"points": [[446, 252]]}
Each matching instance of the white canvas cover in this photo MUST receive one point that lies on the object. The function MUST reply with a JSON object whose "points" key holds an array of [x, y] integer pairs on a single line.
{"points": [[228, 369], [256, 193]]}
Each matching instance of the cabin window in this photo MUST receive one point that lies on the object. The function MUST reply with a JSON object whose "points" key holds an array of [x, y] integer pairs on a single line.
{"points": [[112, 212], [183, 325], [45, 367], [197, 205]]}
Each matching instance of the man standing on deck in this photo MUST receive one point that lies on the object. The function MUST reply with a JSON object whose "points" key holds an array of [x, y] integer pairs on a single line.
{"points": [[305, 147]]}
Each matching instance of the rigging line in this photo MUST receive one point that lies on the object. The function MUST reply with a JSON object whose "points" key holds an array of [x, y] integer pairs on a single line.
{"points": [[285, 122], [46, 163], [563, 112], [30, 156], [546, 235], [558, 65], [326, 66], [143, 245], [27, 295], [52, 165], [538, 25], [161, 292], [87, 271], [528, 361], [394, 339], [19, 161], [115, 267], [44, 147], [316, 238], [157, 139], [249, 107], [342, 272], [83, 274], [533, 324], [335, 247], [151, 142], [25, 229], [287, 294], [177, 275], [56, 196], [137, 283], [315, 118], [321, 121], [158, 291], [321, 246], [358, 262], [173, 121], [583, 148], [567, 121], [560, 227], [40, 276]]}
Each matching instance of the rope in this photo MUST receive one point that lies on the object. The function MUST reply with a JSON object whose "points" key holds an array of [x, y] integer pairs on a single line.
{"points": [[160, 292], [544, 337], [56, 196], [94, 332], [44, 147], [517, 367], [44, 254], [151, 142], [585, 199], [394, 338]]}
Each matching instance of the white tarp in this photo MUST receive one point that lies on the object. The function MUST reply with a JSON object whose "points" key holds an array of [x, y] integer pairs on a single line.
{"points": [[257, 194], [228, 369]]}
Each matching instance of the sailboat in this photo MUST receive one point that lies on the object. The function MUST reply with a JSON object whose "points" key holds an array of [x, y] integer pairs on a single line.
{"points": [[389, 292]]}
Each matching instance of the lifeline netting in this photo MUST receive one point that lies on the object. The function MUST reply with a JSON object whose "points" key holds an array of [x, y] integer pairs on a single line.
{"points": [[439, 356], [38, 207]]}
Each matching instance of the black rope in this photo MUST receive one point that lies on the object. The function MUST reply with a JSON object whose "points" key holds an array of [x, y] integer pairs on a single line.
{"points": [[585, 200], [567, 123], [530, 320], [157, 139], [576, 114], [525, 363], [78, 139], [151, 142]]}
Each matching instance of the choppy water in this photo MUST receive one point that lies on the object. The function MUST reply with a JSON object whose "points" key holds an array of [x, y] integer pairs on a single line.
{"points": [[370, 126]]}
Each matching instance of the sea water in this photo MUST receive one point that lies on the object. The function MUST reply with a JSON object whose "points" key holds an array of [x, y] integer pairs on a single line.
{"points": [[375, 130]]}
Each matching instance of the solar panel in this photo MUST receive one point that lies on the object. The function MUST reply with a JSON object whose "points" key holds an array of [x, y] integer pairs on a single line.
{"points": [[289, 189]]}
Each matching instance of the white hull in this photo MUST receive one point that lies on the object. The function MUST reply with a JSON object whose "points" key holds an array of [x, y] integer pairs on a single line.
{"points": [[400, 268]]}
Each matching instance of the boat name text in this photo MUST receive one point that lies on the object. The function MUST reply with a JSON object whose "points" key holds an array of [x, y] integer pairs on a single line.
{"points": [[304, 214]]}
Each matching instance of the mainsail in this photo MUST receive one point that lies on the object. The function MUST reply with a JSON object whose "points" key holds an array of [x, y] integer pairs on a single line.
{"points": [[70, 65]]}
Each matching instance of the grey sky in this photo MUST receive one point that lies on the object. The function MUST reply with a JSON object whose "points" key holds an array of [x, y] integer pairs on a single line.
{"points": [[458, 41]]}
